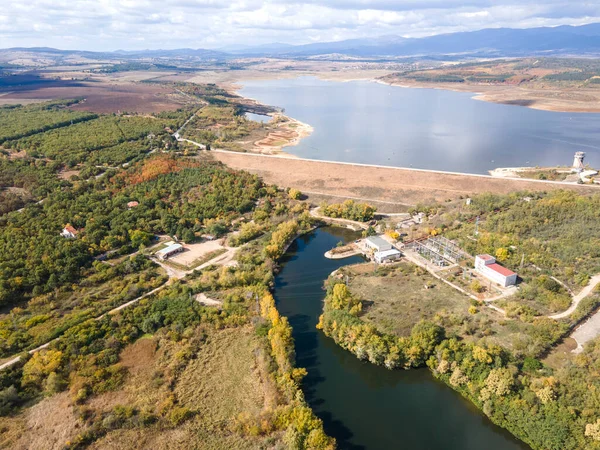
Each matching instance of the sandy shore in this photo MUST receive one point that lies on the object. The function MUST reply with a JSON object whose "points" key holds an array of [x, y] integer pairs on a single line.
{"points": [[289, 134], [557, 100]]}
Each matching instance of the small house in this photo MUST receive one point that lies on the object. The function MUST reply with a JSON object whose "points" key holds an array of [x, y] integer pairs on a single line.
{"points": [[132, 204], [377, 243], [387, 256], [69, 232], [169, 251], [486, 265]]}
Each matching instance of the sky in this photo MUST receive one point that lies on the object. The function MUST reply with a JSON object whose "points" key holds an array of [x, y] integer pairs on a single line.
{"points": [[167, 24]]}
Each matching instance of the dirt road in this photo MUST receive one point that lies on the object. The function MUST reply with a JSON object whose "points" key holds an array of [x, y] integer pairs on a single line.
{"points": [[577, 298]]}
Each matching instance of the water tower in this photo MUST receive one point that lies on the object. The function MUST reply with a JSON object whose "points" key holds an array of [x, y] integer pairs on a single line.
{"points": [[578, 162]]}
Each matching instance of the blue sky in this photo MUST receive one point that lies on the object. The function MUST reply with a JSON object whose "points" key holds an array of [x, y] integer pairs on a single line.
{"points": [[141, 24]]}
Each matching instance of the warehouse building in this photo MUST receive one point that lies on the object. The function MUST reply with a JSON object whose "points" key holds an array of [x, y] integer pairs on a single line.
{"points": [[387, 256], [169, 251], [377, 244], [486, 265]]}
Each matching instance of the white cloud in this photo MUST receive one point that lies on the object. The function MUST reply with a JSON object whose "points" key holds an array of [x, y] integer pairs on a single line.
{"points": [[131, 24]]}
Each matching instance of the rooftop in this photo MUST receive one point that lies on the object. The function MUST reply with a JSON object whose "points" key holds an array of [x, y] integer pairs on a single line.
{"points": [[70, 229], [377, 240], [169, 249], [485, 257], [390, 252], [501, 270]]}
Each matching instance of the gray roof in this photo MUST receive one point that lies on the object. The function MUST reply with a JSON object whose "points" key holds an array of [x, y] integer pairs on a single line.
{"points": [[169, 249], [378, 241]]}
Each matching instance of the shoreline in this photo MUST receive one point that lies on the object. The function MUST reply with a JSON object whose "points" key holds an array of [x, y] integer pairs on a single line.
{"points": [[487, 95], [301, 129], [379, 166]]}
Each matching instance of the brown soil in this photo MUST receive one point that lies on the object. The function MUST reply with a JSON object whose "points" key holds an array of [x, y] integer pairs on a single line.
{"points": [[105, 97], [393, 185], [566, 100], [67, 174]]}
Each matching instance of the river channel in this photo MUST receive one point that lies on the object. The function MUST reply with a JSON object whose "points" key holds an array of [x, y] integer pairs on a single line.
{"points": [[364, 406]]}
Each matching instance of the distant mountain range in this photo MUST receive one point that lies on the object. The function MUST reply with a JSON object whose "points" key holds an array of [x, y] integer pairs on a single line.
{"points": [[566, 39], [491, 42]]}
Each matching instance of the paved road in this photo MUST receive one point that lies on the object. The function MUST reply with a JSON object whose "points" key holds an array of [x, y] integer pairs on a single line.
{"points": [[587, 331]]}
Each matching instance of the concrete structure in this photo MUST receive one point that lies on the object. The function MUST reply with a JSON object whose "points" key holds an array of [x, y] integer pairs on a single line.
{"points": [[171, 250], [387, 256], [578, 165], [407, 223], [377, 244], [69, 232], [486, 265]]}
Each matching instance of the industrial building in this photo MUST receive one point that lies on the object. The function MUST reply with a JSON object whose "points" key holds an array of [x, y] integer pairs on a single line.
{"points": [[486, 265], [377, 244], [169, 251], [387, 256]]}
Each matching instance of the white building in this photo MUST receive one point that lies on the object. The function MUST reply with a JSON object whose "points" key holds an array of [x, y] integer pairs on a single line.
{"points": [[69, 232], [387, 256], [486, 265], [377, 244], [171, 250]]}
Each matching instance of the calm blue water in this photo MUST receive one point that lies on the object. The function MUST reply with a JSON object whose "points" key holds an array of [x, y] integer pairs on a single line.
{"points": [[258, 117], [365, 406], [373, 123]]}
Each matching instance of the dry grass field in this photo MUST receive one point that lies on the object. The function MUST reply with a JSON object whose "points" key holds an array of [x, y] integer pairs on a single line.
{"points": [[404, 296], [45, 426], [222, 381], [368, 183]]}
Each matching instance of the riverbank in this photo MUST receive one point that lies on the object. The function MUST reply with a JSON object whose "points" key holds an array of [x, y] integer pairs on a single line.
{"points": [[353, 398]]}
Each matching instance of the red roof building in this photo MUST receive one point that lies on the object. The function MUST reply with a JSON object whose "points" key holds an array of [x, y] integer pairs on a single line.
{"points": [[486, 265], [69, 231]]}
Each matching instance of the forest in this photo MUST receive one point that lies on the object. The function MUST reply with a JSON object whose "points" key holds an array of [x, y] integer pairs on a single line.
{"points": [[56, 290], [349, 209]]}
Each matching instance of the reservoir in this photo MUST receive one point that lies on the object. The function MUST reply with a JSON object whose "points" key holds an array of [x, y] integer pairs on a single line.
{"points": [[372, 123], [365, 406]]}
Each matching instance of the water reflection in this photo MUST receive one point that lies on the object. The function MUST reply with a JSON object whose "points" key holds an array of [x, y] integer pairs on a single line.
{"points": [[373, 123], [361, 405]]}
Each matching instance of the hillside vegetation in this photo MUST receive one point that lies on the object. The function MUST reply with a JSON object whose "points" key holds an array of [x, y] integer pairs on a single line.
{"points": [[165, 371], [401, 317]]}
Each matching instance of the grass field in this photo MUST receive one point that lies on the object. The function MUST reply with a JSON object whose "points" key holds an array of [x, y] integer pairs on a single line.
{"points": [[399, 299], [395, 298], [223, 380]]}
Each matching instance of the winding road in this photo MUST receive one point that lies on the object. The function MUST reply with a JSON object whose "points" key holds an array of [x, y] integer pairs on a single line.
{"points": [[577, 298], [173, 274]]}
